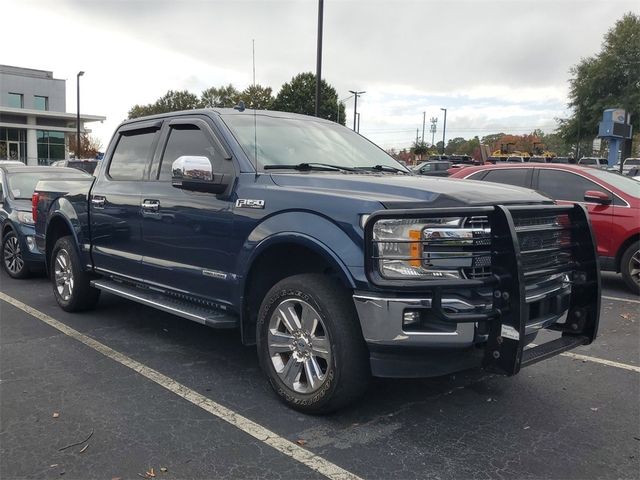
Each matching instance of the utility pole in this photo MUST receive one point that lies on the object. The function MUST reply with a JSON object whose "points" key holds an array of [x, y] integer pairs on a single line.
{"points": [[78, 115], [417, 136], [424, 119], [358, 129], [444, 128], [319, 56], [253, 47], [356, 94], [434, 121]]}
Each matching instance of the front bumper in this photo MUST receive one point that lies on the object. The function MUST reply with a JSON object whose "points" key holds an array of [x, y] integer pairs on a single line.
{"points": [[445, 326]]}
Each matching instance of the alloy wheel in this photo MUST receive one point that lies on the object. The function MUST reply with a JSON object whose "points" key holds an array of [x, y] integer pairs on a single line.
{"points": [[634, 267], [299, 346], [63, 275], [13, 255]]}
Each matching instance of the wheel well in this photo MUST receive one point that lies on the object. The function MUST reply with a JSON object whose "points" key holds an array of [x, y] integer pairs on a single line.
{"points": [[623, 248], [7, 228], [57, 228], [274, 264]]}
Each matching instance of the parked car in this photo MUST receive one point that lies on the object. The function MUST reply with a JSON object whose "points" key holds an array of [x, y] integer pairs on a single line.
{"points": [[613, 201], [433, 169], [85, 164], [516, 159], [565, 160], [11, 163], [594, 162], [325, 252], [634, 173], [436, 158], [538, 159], [628, 164], [18, 249]]}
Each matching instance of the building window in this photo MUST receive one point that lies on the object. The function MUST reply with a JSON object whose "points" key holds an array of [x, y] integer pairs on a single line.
{"points": [[40, 103], [50, 146], [15, 100], [13, 144]]}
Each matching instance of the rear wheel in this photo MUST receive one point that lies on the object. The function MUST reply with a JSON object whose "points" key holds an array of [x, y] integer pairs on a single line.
{"points": [[630, 267], [71, 283], [12, 259], [310, 344]]}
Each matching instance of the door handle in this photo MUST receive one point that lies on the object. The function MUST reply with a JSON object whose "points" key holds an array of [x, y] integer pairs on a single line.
{"points": [[98, 201], [150, 205]]}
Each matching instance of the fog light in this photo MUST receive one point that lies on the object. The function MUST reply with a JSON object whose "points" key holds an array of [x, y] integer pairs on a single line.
{"points": [[411, 320], [31, 244]]}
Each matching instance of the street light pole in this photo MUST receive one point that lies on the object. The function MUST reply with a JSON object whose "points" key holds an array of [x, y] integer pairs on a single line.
{"points": [[319, 56], [444, 128], [356, 94], [424, 120], [358, 129], [78, 115]]}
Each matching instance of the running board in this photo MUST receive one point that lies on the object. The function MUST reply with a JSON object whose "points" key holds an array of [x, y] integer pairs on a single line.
{"points": [[540, 352], [210, 317]]}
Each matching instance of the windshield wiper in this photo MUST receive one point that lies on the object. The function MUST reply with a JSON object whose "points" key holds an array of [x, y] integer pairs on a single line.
{"points": [[305, 167], [382, 168]]}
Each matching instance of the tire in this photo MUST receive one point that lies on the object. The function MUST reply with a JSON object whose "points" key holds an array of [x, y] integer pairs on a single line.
{"points": [[327, 360], [630, 267], [71, 283], [12, 259]]}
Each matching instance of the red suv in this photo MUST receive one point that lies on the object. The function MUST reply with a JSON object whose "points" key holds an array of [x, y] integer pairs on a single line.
{"points": [[613, 201]]}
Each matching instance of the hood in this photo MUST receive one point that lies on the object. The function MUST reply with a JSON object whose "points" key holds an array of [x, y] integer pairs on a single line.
{"points": [[407, 191]]}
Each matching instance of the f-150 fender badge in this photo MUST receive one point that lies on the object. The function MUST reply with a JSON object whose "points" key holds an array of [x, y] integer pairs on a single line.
{"points": [[248, 203]]}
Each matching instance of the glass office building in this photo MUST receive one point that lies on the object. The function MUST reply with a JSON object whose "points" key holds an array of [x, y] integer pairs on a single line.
{"points": [[34, 124]]}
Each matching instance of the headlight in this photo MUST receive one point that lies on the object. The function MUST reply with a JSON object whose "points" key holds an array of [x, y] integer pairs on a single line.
{"points": [[25, 217], [429, 248]]}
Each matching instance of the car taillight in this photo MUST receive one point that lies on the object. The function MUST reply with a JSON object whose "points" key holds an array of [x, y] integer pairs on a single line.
{"points": [[34, 206]]}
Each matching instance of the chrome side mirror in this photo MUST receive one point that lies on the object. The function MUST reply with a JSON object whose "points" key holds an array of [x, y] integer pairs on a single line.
{"points": [[195, 173]]}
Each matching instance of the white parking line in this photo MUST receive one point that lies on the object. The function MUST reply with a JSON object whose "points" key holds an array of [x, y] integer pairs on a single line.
{"points": [[602, 361], [314, 462], [620, 299]]}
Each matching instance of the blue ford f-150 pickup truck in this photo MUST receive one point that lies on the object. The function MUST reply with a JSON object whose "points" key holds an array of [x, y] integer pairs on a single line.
{"points": [[330, 256]]}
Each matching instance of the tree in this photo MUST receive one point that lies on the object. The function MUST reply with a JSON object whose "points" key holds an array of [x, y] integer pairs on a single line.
{"points": [[89, 146], [610, 79], [257, 97], [172, 101], [298, 96], [419, 148], [222, 97]]}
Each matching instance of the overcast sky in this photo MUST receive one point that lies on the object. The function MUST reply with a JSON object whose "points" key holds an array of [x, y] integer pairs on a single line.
{"points": [[499, 65]]}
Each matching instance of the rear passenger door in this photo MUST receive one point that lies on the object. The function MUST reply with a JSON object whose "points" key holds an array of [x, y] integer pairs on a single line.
{"points": [[114, 204], [186, 234]]}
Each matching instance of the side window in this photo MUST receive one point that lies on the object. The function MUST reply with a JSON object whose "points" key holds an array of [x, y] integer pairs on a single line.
{"points": [[510, 176], [132, 154], [477, 176], [561, 185], [188, 140]]}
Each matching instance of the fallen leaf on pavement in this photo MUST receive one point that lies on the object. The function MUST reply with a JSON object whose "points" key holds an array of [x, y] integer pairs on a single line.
{"points": [[56, 414], [301, 442], [594, 409], [626, 316], [150, 473], [164, 469], [84, 448]]}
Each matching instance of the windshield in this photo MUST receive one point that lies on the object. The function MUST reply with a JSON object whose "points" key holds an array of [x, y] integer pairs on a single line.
{"points": [[627, 184], [291, 141], [632, 161]]}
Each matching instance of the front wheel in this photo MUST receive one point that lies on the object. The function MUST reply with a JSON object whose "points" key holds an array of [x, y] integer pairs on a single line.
{"points": [[310, 344], [630, 267], [12, 259], [71, 283]]}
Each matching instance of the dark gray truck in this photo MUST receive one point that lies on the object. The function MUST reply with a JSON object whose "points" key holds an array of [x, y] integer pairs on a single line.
{"points": [[333, 258]]}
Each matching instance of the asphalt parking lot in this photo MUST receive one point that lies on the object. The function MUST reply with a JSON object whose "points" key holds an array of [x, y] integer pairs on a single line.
{"points": [[152, 391]]}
